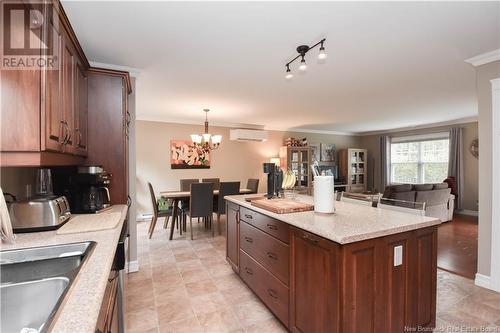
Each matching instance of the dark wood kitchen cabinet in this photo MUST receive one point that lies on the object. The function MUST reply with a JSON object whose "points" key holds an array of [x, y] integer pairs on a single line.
{"points": [[43, 110], [108, 121], [107, 321], [233, 235]]}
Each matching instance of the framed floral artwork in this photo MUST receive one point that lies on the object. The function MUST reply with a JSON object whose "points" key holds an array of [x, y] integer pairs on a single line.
{"points": [[327, 152], [185, 155]]}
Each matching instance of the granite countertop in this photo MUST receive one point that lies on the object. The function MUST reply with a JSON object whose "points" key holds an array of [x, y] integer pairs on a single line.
{"points": [[81, 305], [350, 223]]}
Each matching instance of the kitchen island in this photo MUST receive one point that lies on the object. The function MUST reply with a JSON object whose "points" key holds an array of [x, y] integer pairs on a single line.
{"points": [[362, 269]]}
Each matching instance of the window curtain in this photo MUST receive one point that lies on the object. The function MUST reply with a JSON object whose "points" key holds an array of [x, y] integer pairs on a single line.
{"points": [[385, 162], [456, 163]]}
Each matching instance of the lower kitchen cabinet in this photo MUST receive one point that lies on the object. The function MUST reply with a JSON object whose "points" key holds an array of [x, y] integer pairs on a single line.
{"points": [[233, 229], [107, 321], [314, 283]]}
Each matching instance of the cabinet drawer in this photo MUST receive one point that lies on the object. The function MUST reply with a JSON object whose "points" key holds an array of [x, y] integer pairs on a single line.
{"points": [[268, 251], [265, 223], [269, 289]]}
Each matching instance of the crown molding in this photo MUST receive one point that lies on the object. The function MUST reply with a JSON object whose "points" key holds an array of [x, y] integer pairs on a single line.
{"points": [[243, 126], [133, 72], [484, 58], [423, 126]]}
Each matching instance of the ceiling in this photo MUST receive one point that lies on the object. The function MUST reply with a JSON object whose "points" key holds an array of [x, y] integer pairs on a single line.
{"points": [[390, 64]]}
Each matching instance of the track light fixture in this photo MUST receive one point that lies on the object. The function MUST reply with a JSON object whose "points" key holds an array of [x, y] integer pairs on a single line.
{"points": [[302, 50]]}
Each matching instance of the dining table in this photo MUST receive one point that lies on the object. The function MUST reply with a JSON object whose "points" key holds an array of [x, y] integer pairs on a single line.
{"points": [[177, 196]]}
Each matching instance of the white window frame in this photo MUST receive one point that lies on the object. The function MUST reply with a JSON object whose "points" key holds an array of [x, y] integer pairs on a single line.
{"points": [[415, 138]]}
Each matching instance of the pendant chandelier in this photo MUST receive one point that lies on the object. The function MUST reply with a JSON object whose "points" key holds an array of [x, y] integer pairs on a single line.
{"points": [[206, 141]]}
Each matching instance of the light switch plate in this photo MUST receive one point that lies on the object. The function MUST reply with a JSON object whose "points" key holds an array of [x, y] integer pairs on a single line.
{"points": [[398, 255]]}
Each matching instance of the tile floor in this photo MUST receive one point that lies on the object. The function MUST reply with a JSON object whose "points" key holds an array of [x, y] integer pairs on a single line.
{"points": [[187, 286]]}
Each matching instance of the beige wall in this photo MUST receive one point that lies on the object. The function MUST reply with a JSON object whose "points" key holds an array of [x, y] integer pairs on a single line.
{"points": [[471, 164], [233, 161], [485, 73]]}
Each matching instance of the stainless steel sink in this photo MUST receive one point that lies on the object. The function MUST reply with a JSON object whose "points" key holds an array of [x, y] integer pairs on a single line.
{"points": [[33, 282], [29, 304]]}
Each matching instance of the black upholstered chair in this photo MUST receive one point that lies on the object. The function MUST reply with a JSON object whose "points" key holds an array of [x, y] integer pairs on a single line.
{"points": [[215, 181], [226, 188], [157, 213], [253, 185], [201, 203], [185, 185]]}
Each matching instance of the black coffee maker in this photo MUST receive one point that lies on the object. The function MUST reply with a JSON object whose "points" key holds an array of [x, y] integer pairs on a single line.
{"points": [[274, 180], [89, 191]]}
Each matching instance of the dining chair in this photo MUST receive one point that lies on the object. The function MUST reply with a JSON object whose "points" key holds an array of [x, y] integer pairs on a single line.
{"points": [[355, 200], [253, 185], [201, 203], [215, 181], [157, 213], [410, 207], [226, 188], [185, 186]]}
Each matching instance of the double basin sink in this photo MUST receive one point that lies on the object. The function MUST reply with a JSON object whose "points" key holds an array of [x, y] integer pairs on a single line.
{"points": [[33, 282]]}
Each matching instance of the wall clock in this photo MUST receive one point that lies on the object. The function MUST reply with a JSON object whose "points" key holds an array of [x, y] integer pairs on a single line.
{"points": [[474, 148]]}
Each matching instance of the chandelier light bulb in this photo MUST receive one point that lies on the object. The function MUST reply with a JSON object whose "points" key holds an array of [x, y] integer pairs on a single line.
{"points": [[303, 65]]}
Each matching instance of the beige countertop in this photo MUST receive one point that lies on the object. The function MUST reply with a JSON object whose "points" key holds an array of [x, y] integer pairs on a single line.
{"points": [[350, 223], [80, 308]]}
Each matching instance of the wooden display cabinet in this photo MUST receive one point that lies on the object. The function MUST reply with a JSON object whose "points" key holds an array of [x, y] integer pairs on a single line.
{"points": [[353, 163]]}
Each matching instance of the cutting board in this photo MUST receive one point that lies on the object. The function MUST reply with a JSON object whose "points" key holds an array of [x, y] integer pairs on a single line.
{"points": [[282, 206], [90, 222]]}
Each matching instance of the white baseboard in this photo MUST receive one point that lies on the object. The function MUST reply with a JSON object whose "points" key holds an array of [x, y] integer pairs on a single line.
{"points": [[133, 266], [144, 217], [467, 212], [483, 281]]}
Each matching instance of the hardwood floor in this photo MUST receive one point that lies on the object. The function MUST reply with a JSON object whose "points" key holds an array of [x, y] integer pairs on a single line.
{"points": [[457, 246]]}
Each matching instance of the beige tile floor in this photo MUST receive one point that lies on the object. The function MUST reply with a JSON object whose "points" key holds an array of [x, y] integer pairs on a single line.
{"points": [[187, 286]]}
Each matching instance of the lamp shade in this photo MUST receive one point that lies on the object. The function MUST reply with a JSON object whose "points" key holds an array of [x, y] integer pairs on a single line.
{"points": [[196, 138], [216, 139]]}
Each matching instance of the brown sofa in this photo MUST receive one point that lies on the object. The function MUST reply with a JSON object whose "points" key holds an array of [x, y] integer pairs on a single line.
{"points": [[439, 202]]}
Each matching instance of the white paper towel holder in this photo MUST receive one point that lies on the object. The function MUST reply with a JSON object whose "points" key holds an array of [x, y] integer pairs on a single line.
{"points": [[324, 195]]}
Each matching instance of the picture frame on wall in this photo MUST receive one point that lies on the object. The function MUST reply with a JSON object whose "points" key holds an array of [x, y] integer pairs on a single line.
{"points": [[185, 155], [328, 152], [315, 153]]}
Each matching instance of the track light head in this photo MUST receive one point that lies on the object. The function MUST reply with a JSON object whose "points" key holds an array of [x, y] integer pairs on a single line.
{"points": [[289, 74], [303, 65], [322, 54]]}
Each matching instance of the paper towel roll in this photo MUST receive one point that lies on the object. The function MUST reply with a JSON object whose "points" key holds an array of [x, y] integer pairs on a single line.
{"points": [[324, 194]]}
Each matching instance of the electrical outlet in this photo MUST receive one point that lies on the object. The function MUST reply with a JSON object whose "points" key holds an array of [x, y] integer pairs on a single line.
{"points": [[398, 255]]}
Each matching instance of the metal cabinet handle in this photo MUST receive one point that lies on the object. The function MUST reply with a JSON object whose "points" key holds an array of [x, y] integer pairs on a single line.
{"points": [[272, 255], [237, 216], [249, 271], [68, 133], [272, 227], [310, 239], [272, 293], [248, 216], [79, 137], [62, 133], [249, 239]]}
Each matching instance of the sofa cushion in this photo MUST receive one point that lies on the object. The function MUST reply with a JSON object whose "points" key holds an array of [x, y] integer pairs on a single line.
{"points": [[440, 186], [433, 198], [423, 187], [401, 188], [406, 196]]}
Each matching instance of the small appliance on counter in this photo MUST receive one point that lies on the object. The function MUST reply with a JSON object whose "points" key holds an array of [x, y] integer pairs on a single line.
{"points": [[43, 211], [89, 192], [274, 180]]}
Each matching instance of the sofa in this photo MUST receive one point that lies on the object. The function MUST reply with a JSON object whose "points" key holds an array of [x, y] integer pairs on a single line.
{"points": [[439, 202]]}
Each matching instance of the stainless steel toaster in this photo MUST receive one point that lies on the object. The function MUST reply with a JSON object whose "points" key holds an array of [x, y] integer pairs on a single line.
{"points": [[39, 214]]}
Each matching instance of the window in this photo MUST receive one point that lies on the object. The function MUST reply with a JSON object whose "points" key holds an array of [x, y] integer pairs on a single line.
{"points": [[420, 159]]}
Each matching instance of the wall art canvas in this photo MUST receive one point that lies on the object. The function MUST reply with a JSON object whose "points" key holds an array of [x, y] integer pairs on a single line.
{"points": [[184, 155], [315, 154], [327, 152]]}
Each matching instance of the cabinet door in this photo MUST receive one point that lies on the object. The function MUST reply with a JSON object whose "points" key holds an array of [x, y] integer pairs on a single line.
{"points": [[81, 110], [233, 226], [52, 86], [314, 283]]}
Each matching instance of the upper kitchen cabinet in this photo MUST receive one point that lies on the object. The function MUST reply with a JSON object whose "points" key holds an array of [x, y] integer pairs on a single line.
{"points": [[44, 110], [108, 120]]}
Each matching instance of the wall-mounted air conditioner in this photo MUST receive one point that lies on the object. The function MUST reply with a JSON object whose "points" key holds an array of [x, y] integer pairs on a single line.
{"points": [[240, 134]]}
